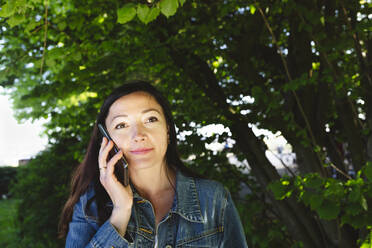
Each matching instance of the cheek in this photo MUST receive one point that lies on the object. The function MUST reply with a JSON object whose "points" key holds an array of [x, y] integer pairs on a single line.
{"points": [[122, 141], [163, 142], [159, 139]]}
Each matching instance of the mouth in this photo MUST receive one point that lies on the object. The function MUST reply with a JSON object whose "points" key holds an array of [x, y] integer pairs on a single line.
{"points": [[141, 151]]}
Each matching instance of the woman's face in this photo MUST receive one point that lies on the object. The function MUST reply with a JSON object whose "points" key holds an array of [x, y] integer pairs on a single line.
{"points": [[137, 125]]}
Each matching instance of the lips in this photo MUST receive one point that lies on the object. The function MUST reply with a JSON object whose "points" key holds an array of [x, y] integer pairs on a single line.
{"points": [[141, 150]]}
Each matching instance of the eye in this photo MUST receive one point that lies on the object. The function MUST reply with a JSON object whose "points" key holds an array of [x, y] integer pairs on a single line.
{"points": [[120, 125], [152, 119]]}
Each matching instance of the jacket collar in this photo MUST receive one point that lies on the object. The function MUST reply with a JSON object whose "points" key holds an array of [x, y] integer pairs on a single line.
{"points": [[186, 202]]}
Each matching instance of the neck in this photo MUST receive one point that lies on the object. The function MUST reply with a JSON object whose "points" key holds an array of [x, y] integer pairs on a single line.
{"points": [[152, 182]]}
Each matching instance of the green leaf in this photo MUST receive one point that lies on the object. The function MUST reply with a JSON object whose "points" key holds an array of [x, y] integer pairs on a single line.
{"points": [[168, 7], [182, 2], [279, 189], [316, 201], [50, 62], [3, 75], [7, 9], [15, 20], [31, 26], [366, 245], [252, 9], [37, 63], [322, 20], [146, 14], [354, 194], [364, 203], [368, 171], [142, 12], [328, 210], [62, 25], [352, 209], [126, 13], [356, 221], [334, 189], [154, 12], [313, 182], [306, 196], [76, 56], [56, 53]]}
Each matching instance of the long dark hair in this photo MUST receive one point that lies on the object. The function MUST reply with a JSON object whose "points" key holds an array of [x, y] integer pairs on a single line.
{"points": [[88, 173]]}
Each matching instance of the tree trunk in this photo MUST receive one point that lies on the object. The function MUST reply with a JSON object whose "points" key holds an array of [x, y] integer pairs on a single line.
{"points": [[298, 219]]}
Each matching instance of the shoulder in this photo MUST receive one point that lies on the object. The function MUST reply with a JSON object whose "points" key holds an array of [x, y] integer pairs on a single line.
{"points": [[213, 199], [210, 194], [87, 204], [87, 195], [208, 188], [205, 188]]}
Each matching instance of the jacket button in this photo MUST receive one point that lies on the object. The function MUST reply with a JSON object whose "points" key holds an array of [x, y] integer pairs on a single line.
{"points": [[168, 246]]}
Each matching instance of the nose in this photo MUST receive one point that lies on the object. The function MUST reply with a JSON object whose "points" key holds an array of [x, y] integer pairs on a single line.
{"points": [[138, 133]]}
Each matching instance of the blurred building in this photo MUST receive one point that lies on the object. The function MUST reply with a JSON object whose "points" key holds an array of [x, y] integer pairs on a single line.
{"points": [[23, 162]]}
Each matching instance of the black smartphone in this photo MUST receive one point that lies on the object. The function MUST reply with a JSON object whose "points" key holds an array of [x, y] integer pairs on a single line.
{"points": [[121, 171]]}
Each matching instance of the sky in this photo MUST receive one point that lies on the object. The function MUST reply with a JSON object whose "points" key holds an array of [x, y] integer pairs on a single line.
{"points": [[17, 140]]}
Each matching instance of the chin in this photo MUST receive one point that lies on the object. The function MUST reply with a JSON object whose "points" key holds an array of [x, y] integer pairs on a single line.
{"points": [[142, 164]]}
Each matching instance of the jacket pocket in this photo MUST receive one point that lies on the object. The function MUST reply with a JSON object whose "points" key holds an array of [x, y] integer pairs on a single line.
{"points": [[205, 239]]}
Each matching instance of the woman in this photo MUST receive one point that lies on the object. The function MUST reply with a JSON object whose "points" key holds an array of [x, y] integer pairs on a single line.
{"points": [[163, 206]]}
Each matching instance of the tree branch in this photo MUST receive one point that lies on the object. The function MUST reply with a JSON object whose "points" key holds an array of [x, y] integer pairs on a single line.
{"points": [[45, 36]]}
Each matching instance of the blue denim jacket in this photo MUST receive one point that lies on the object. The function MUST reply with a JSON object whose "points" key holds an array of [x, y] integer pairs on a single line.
{"points": [[203, 215]]}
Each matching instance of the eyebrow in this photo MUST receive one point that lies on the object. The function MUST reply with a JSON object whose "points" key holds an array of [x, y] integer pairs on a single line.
{"points": [[143, 112]]}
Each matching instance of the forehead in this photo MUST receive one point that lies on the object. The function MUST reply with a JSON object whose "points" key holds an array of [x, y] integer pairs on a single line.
{"points": [[135, 101]]}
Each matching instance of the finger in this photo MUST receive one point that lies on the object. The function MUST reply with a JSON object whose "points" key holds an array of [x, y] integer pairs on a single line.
{"points": [[113, 161], [102, 171], [103, 144], [104, 153]]}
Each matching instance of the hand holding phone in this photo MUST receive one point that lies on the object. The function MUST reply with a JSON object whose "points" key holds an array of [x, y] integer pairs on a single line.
{"points": [[123, 163]]}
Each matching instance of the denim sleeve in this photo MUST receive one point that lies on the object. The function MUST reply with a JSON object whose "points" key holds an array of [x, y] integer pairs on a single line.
{"points": [[86, 233], [233, 234]]}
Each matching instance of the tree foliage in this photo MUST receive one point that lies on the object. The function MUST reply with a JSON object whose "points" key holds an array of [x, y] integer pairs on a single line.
{"points": [[331, 198], [298, 68], [42, 191], [7, 175]]}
